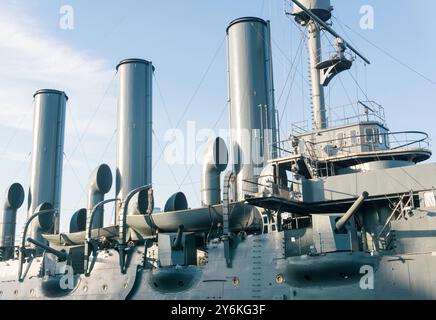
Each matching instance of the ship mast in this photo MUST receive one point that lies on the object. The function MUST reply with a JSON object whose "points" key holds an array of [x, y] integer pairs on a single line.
{"points": [[318, 99], [314, 15]]}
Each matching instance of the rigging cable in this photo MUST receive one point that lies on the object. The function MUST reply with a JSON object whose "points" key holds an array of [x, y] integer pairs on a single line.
{"points": [[97, 109], [389, 55], [191, 100]]}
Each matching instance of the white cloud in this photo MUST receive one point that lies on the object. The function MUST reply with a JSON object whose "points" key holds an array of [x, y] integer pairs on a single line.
{"points": [[33, 59]]}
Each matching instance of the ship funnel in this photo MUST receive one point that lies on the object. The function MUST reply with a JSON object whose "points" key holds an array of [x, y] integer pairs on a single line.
{"points": [[47, 159], [13, 200], [100, 183], [215, 162], [251, 95], [134, 148]]}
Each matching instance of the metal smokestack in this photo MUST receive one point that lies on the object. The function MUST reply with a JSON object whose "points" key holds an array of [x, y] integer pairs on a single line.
{"points": [[47, 159], [13, 200], [251, 96], [134, 148]]}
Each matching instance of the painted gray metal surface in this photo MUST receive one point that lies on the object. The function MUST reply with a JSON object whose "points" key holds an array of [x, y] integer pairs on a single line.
{"points": [[322, 8], [134, 136], [214, 162], [78, 221], [100, 184], [381, 182], [13, 200], [318, 99], [47, 158], [320, 260], [252, 115]]}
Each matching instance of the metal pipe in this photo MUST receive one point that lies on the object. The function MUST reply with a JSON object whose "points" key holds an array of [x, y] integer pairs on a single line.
{"points": [[134, 147], [43, 209], [250, 86], [351, 212], [272, 121], [47, 158], [122, 223], [100, 183], [60, 254], [89, 224], [13, 200], [177, 202], [178, 241], [214, 163], [78, 221]]}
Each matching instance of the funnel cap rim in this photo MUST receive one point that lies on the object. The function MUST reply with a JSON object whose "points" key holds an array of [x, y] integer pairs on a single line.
{"points": [[52, 91], [135, 60], [245, 19]]}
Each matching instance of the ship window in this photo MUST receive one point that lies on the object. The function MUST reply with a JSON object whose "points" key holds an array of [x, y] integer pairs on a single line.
{"points": [[369, 133], [382, 138], [340, 139], [377, 136], [353, 137]]}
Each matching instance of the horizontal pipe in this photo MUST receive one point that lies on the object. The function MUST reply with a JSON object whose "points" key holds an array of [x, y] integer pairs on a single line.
{"points": [[242, 217]]}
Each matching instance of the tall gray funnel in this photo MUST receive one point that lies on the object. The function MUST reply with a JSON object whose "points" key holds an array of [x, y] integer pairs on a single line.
{"points": [[251, 95], [134, 148], [47, 159]]}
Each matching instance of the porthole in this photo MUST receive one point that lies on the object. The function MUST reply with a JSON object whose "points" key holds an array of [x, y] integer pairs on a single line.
{"points": [[105, 287], [235, 281], [85, 288], [280, 279]]}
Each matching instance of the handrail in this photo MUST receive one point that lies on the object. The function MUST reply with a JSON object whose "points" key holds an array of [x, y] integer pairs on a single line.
{"points": [[122, 225], [90, 220], [423, 141], [23, 240], [345, 115], [395, 210]]}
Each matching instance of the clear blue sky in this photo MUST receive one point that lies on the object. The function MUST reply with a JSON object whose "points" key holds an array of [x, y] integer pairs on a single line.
{"points": [[182, 38]]}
